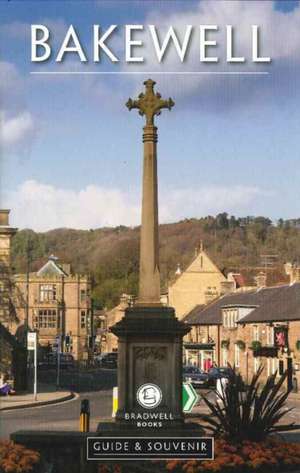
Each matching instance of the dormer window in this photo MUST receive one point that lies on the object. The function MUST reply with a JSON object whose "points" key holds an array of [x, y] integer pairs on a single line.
{"points": [[230, 318]]}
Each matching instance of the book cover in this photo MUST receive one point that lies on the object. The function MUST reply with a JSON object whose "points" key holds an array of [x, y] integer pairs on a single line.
{"points": [[149, 236]]}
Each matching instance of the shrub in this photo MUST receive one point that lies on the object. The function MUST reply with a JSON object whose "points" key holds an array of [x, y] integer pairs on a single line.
{"points": [[248, 413], [16, 458], [255, 345], [241, 344], [246, 457]]}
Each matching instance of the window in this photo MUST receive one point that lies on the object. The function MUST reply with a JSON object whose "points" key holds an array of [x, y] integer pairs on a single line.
{"points": [[225, 356], [237, 356], [46, 319], [270, 335], [83, 319], [83, 295], [230, 318], [256, 333], [47, 292], [256, 362], [88, 319], [272, 365]]}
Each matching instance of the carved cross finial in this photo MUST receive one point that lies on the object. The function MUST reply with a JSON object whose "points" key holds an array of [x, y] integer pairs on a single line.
{"points": [[150, 103]]}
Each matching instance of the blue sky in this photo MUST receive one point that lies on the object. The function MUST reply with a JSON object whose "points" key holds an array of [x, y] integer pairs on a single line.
{"points": [[72, 153]]}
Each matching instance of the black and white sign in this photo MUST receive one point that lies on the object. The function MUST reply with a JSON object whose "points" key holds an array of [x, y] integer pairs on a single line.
{"points": [[31, 340], [146, 448]]}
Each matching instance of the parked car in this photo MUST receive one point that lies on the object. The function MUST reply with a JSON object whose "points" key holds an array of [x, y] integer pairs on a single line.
{"points": [[197, 377], [217, 372], [108, 360], [66, 361]]}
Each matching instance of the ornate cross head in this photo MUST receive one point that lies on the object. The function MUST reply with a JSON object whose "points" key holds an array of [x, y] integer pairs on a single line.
{"points": [[149, 103]]}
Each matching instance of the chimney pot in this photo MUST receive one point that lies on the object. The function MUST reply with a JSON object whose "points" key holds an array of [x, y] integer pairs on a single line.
{"points": [[4, 218]]}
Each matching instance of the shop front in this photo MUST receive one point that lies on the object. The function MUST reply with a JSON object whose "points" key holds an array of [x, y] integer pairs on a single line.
{"points": [[201, 355]]}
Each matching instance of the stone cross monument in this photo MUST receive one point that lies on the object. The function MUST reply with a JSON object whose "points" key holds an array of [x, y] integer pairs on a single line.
{"points": [[149, 335], [149, 104]]}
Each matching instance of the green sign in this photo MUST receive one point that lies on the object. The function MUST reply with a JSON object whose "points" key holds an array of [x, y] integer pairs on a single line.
{"points": [[189, 397]]}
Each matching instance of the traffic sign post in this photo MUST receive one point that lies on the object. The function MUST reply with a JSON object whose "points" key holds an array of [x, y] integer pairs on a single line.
{"points": [[189, 397], [58, 352], [32, 342]]}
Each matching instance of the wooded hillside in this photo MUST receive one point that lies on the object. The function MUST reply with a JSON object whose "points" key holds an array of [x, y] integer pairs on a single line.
{"points": [[110, 255]]}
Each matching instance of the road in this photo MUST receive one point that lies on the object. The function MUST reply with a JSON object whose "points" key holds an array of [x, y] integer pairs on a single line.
{"points": [[97, 387]]}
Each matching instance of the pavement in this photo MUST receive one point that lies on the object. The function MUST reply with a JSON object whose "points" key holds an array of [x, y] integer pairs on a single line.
{"points": [[47, 394]]}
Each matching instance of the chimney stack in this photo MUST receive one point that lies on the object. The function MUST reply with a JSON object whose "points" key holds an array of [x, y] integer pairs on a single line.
{"points": [[4, 218], [6, 234], [261, 280], [293, 271]]}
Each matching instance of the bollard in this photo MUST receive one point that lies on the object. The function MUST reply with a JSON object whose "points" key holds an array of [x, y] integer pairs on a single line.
{"points": [[115, 402], [84, 421], [295, 385]]}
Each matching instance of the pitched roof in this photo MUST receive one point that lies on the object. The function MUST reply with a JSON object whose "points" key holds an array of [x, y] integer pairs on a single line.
{"points": [[51, 268], [284, 305], [278, 303], [201, 264]]}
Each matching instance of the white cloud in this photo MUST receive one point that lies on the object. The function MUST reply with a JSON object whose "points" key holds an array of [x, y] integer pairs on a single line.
{"points": [[17, 125], [16, 132], [43, 207], [208, 200], [280, 40]]}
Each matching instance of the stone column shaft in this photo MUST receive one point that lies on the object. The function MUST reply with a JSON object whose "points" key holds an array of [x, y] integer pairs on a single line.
{"points": [[149, 283]]}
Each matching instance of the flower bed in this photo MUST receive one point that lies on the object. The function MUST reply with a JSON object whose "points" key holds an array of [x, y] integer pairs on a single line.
{"points": [[16, 458], [260, 457], [270, 456]]}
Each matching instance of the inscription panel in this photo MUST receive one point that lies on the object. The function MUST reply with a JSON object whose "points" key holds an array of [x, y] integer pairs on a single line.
{"points": [[151, 366]]}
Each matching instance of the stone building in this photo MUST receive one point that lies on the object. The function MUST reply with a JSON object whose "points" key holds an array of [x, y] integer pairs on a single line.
{"points": [[247, 329], [200, 283], [13, 359], [54, 301], [6, 234], [110, 341]]}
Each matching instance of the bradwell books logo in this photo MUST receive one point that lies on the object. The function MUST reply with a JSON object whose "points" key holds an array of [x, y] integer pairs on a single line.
{"points": [[149, 396]]}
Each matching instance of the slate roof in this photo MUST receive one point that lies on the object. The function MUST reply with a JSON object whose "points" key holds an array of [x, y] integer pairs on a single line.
{"points": [[51, 268], [277, 303], [284, 305]]}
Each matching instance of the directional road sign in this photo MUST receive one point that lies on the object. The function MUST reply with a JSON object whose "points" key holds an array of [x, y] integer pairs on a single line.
{"points": [[189, 397]]}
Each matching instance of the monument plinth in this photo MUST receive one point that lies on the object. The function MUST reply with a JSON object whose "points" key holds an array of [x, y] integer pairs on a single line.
{"points": [[149, 335]]}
